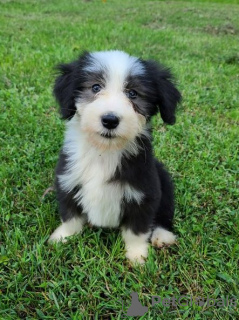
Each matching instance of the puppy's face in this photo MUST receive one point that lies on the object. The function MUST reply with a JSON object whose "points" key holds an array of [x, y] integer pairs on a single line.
{"points": [[110, 105], [113, 95]]}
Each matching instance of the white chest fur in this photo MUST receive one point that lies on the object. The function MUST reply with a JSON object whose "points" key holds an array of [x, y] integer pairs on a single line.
{"points": [[92, 170], [101, 199]]}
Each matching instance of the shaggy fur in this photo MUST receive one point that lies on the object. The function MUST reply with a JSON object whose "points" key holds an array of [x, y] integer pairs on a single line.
{"points": [[106, 174]]}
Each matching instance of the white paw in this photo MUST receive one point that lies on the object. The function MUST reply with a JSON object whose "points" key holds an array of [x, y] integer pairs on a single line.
{"points": [[137, 254], [58, 235], [67, 229], [161, 237], [136, 245]]}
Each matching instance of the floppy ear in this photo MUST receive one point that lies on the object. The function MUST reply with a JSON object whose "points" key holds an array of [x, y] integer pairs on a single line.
{"points": [[167, 95], [64, 90]]}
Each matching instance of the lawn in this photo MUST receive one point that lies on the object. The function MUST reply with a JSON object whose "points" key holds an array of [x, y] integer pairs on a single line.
{"points": [[87, 277]]}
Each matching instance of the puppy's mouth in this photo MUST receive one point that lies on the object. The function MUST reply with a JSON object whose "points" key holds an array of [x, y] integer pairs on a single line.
{"points": [[108, 134]]}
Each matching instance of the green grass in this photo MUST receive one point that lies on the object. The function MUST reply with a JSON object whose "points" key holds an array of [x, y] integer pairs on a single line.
{"points": [[84, 278]]}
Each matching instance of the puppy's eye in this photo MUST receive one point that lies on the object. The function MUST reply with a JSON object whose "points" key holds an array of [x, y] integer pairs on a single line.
{"points": [[96, 88], [131, 94]]}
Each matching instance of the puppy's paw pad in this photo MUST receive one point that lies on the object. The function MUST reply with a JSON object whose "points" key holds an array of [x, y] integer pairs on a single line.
{"points": [[162, 237]]}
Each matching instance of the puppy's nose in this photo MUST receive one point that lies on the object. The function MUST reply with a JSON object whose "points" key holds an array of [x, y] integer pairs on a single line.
{"points": [[110, 121]]}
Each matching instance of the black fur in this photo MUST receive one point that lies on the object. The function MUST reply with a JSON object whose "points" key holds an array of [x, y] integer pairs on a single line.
{"points": [[69, 84], [145, 174], [68, 207], [165, 95]]}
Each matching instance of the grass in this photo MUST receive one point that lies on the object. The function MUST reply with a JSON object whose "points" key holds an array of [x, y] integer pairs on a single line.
{"points": [[86, 277]]}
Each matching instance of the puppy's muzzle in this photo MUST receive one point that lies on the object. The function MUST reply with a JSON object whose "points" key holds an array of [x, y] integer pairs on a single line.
{"points": [[110, 121]]}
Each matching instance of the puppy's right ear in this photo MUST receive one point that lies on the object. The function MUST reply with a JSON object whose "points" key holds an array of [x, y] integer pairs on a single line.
{"points": [[64, 90]]}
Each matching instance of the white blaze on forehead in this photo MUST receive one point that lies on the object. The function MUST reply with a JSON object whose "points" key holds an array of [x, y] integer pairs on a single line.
{"points": [[117, 65]]}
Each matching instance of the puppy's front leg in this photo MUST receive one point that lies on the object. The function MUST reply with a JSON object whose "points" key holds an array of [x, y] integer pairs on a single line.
{"points": [[67, 229], [136, 245]]}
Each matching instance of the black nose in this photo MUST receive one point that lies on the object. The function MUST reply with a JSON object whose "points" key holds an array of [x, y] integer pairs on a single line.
{"points": [[110, 121]]}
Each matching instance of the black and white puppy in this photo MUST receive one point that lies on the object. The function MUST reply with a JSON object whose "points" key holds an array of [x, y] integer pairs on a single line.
{"points": [[106, 174]]}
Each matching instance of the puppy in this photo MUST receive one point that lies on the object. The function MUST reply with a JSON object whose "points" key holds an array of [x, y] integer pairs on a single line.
{"points": [[107, 174]]}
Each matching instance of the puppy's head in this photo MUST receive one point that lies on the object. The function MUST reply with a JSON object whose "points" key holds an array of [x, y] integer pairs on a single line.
{"points": [[113, 96]]}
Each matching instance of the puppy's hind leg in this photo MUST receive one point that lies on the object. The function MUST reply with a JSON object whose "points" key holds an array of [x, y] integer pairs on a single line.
{"points": [[163, 223]]}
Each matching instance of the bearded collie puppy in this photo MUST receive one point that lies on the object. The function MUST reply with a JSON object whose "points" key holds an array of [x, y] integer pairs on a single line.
{"points": [[107, 175]]}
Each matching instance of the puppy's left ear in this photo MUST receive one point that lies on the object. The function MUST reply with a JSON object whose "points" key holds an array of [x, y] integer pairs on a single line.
{"points": [[166, 95]]}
